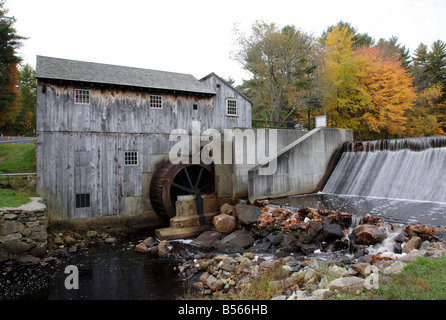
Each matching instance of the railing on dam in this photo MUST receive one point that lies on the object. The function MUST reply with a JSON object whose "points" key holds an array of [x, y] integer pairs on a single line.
{"points": [[302, 124]]}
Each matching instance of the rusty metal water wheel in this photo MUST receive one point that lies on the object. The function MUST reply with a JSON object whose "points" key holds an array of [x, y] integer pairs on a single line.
{"points": [[172, 180]]}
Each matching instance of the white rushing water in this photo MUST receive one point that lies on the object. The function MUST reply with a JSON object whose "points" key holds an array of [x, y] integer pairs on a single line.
{"points": [[402, 170]]}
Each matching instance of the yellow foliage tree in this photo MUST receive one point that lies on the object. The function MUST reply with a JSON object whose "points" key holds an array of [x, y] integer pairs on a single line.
{"points": [[423, 117], [389, 89], [342, 95]]}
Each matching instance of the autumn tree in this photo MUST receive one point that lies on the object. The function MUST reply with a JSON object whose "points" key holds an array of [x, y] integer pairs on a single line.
{"points": [[388, 86], [9, 60], [392, 49], [342, 95], [422, 117], [429, 74], [280, 64], [358, 39]]}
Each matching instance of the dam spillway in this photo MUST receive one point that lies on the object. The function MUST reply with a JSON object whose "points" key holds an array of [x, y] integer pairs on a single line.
{"points": [[412, 168]]}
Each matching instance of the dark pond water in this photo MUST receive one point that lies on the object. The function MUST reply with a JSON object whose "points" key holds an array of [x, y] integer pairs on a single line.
{"points": [[106, 272]]}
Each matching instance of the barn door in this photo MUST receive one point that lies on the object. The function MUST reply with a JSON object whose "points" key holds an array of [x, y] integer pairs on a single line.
{"points": [[82, 179]]}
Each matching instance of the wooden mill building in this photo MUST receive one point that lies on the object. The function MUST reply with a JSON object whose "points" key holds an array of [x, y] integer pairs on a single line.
{"points": [[101, 129]]}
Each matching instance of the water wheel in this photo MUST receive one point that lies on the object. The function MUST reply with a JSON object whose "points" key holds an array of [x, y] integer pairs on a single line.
{"points": [[172, 180]]}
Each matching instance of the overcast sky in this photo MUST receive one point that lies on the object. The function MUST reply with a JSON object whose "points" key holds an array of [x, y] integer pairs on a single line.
{"points": [[196, 36]]}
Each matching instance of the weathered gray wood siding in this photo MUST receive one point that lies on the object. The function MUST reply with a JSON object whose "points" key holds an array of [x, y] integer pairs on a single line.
{"points": [[80, 148], [224, 92]]}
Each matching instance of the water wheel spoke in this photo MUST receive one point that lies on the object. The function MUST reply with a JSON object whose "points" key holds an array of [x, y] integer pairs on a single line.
{"points": [[178, 186], [188, 178], [199, 178]]}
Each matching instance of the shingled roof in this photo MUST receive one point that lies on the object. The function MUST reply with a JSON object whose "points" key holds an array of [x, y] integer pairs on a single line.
{"points": [[80, 71]]}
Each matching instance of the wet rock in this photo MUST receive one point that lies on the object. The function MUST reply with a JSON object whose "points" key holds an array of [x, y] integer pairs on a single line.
{"points": [[163, 248], [208, 238], [369, 234], [333, 232], [154, 250], [239, 238], [247, 214], [149, 242], [226, 209], [224, 223], [413, 243], [141, 247], [110, 240], [261, 247], [28, 260], [309, 248]]}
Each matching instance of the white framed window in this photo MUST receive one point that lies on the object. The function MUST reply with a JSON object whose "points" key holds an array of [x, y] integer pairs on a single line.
{"points": [[131, 158], [156, 102], [231, 107], [81, 96]]}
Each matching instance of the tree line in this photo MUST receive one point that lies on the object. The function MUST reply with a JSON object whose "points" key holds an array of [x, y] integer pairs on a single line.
{"points": [[17, 82], [375, 88]]}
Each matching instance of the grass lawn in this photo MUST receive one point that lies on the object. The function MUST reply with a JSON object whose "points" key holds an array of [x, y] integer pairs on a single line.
{"points": [[17, 158], [420, 280]]}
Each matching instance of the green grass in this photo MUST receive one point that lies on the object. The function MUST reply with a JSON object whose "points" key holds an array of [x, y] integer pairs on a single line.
{"points": [[17, 158], [12, 198], [420, 280]]}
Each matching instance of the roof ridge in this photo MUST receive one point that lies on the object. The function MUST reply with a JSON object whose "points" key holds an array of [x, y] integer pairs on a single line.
{"points": [[95, 72]]}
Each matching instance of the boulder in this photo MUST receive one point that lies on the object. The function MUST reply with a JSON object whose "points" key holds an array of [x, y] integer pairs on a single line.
{"points": [[247, 214], [149, 241], [208, 238], [224, 223], [16, 247], [239, 238], [369, 234], [333, 232], [110, 240], [163, 248], [413, 243], [226, 209], [347, 284], [141, 247], [214, 284]]}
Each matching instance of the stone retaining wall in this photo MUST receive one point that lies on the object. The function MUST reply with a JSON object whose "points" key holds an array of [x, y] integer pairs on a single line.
{"points": [[23, 231]]}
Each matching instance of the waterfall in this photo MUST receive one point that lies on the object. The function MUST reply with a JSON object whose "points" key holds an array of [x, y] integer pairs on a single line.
{"points": [[413, 168]]}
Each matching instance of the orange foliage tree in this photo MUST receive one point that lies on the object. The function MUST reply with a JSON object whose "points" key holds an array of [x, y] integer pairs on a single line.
{"points": [[389, 89]]}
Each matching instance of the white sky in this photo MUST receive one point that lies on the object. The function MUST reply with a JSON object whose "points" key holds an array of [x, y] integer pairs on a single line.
{"points": [[196, 36]]}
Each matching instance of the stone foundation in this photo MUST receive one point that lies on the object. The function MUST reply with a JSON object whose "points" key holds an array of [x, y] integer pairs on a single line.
{"points": [[23, 231]]}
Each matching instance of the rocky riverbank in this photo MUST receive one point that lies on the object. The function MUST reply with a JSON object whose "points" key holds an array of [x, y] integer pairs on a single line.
{"points": [[306, 254]]}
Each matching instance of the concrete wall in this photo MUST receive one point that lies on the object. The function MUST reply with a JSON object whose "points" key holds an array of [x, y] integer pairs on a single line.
{"points": [[301, 166], [240, 171]]}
